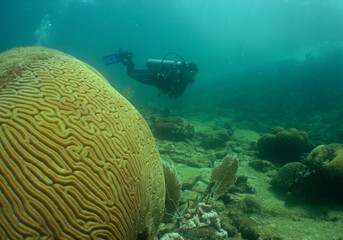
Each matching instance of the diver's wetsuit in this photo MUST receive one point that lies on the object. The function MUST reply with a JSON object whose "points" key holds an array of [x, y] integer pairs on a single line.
{"points": [[168, 81], [143, 76]]}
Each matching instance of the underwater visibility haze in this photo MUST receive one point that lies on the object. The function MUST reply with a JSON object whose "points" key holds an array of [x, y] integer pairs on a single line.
{"points": [[252, 149]]}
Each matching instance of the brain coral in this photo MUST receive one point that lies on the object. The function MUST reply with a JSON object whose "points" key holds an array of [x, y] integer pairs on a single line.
{"points": [[77, 161], [328, 159]]}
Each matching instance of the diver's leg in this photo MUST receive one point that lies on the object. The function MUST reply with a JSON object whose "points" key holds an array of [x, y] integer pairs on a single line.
{"points": [[142, 76]]}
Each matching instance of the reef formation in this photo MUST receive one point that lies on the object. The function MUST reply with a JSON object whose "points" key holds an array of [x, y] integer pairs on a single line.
{"points": [[77, 160], [283, 145]]}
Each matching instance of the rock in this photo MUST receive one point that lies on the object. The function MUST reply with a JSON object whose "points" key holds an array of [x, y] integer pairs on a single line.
{"points": [[242, 186], [172, 236], [189, 196], [289, 176], [245, 135], [173, 129], [190, 175], [220, 154], [251, 205], [246, 226], [200, 187], [215, 139], [212, 142], [261, 165]]}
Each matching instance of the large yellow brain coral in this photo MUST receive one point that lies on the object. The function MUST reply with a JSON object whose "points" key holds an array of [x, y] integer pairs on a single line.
{"points": [[77, 161]]}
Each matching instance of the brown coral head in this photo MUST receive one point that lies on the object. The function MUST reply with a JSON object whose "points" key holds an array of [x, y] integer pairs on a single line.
{"points": [[283, 145], [174, 129]]}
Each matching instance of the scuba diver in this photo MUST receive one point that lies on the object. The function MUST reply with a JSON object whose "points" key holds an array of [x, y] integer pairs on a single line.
{"points": [[169, 76]]}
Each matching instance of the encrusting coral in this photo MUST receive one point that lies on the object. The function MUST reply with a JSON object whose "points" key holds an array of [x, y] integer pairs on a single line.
{"points": [[77, 160]]}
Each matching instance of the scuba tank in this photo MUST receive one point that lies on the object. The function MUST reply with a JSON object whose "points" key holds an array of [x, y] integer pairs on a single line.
{"points": [[165, 65]]}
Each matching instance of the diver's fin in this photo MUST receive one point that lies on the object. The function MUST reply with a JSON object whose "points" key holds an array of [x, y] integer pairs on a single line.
{"points": [[117, 57], [110, 59]]}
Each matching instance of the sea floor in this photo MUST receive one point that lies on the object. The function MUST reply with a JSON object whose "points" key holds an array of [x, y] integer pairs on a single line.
{"points": [[255, 211]]}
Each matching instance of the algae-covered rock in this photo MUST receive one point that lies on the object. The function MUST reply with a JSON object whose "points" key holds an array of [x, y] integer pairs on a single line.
{"points": [[300, 182], [215, 139], [283, 145], [185, 153], [261, 165], [242, 186], [212, 142], [190, 175], [221, 153], [245, 135], [289, 176], [173, 129], [251, 205], [246, 226]]}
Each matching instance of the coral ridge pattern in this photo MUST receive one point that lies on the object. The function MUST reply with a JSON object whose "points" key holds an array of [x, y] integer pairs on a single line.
{"points": [[77, 160]]}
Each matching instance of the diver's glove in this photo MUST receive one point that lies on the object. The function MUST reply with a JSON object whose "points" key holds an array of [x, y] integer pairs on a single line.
{"points": [[117, 57]]}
